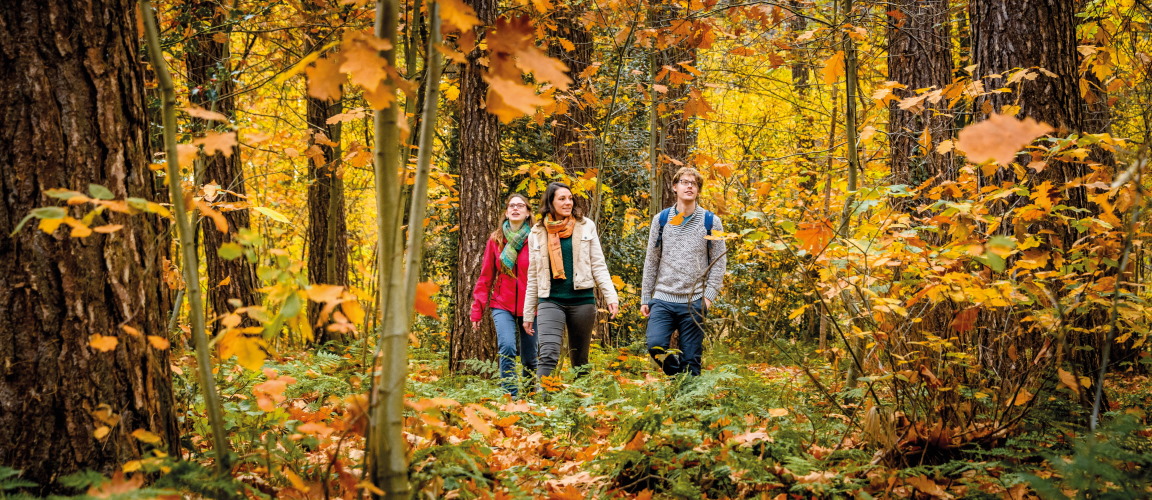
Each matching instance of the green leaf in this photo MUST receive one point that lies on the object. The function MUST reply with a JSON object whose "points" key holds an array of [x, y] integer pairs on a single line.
{"points": [[63, 194], [230, 250], [100, 192], [49, 213], [272, 214]]}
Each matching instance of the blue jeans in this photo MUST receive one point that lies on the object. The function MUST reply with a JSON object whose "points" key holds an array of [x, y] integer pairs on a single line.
{"points": [[667, 317], [512, 340]]}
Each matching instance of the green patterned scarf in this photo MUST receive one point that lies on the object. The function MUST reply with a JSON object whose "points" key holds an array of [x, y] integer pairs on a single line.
{"points": [[513, 242]]}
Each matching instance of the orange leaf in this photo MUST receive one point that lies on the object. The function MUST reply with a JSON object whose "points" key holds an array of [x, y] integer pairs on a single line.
{"points": [[778, 412], [158, 342], [204, 114], [814, 236], [186, 154], [324, 79], [217, 217], [677, 219], [130, 330], [458, 15], [364, 66], [424, 303], [998, 138], [833, 68], [509, 100], [108, 228], [1069, 380], [965, 320], [117, 485], [217, 142], [476, 422], [103, 343]]}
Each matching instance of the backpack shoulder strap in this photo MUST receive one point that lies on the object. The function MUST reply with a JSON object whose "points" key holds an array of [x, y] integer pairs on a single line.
{"points": [[709, 218], [664, 214]]}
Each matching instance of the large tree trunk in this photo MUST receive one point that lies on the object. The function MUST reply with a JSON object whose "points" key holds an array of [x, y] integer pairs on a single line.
{"points": [[920, 57], [210, 86], [573, 132], [74, 115], [327, 226], [676, 138], [480, 202]]}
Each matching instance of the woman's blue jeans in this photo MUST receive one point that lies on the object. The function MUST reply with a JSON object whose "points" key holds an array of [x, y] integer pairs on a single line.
{"points": [[512, 340]]}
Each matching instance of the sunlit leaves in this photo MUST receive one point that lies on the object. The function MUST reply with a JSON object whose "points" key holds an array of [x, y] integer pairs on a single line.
{"points": [[814, 236], [325, 78], [833, 68], [248, 347], [457, 15], [998, 138], [217, 142]]}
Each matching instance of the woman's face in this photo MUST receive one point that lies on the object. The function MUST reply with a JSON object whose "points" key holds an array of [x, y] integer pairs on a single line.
{"points": [[517, 210], [562, 203]]}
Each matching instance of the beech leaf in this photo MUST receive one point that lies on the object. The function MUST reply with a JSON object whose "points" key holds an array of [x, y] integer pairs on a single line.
{"points": [[998, 138]]}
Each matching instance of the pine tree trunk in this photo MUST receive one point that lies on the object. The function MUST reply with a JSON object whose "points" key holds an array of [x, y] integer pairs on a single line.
{"points": [[677, 139], [327, 225], [572, 132], [73, 116], [210, 86], [920, 57], [480, 202]]}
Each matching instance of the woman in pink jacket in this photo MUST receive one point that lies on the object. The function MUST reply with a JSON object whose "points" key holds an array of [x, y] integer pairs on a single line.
{"points": [[501, 286]]}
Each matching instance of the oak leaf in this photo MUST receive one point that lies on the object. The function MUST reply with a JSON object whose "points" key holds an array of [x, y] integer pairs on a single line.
{"points": [[458, 15], [833, 68], [509, 100], [324, 79], [364, 67], [998, 138]]}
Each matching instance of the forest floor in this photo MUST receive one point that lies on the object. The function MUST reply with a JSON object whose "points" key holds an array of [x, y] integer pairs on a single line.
{"points": [[753, 425]]}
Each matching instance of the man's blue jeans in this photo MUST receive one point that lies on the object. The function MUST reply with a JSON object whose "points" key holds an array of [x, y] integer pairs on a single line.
{"points": [[664, 318], [512, 340]]}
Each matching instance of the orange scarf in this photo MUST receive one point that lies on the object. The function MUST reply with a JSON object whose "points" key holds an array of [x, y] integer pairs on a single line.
{"points": [[558, 229]]}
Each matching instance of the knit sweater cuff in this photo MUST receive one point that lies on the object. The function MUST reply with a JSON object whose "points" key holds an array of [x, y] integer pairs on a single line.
{"points": [[711, 294]]}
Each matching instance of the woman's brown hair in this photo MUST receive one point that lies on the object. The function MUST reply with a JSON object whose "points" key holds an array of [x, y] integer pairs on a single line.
{"points": [[550, 194], [498, 234]]}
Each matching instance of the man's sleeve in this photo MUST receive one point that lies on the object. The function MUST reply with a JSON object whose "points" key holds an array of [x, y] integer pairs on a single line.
{"points": [[651, 263], [719, 262]]}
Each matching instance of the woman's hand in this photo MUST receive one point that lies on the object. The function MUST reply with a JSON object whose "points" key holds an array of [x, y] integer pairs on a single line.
{"points": [[528, 328], [475, 326], [613, 309]]}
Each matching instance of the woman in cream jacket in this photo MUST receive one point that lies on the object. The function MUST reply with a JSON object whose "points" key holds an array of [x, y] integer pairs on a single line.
{"points": [[565, 264]]}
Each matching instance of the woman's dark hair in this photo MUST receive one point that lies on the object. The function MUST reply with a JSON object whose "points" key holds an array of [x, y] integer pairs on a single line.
{"points": [[498, 233], [550, 194]]}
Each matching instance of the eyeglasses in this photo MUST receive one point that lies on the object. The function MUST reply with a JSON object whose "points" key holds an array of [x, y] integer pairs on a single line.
{"points": [[686, 183], [518, 206]]}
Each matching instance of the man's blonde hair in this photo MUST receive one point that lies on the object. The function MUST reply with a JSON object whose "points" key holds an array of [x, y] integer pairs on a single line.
{"points": [[689, 171]]}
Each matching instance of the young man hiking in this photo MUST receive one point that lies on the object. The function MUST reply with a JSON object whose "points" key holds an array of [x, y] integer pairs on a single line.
{"points": [[683, 273]]}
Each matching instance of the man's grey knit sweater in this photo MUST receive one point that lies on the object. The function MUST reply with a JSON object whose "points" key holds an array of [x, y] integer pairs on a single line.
{"points": [[675, 272]]}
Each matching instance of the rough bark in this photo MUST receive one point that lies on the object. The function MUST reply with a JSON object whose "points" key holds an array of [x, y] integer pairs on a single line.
{"points": [[480, 201], [74, 115], [677, 138], [920, 57], [211, 87], [327, 225], [573, 131]]}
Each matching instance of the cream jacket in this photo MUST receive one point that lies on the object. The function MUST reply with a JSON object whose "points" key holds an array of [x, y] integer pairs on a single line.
{"points": [[587, 259]]}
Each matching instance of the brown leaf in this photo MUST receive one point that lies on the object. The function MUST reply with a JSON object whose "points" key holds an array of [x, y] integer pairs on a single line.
{"points": [[927, 486], [998, 138], [204, 114], [1069, 380]]}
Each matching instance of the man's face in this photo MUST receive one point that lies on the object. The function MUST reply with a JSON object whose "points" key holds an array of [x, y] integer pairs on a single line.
{"points": [[686, 188]]}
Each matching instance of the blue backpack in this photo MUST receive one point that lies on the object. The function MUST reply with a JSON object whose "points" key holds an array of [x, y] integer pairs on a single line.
{"points": [[709, 218]]}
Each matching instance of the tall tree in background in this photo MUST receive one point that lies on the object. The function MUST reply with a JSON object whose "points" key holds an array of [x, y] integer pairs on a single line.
{"points": [[573, 128], [480, 200], [674, 45], [211, 87], [919, 57], [74, 115], [327, 225]]}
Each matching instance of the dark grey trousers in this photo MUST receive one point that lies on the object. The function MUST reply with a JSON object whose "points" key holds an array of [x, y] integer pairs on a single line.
{"points": [[551, 320]]}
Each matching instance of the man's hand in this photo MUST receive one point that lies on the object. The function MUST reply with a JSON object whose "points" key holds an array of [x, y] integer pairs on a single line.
{"points": [[613, 309], [475, 326], [707, 303], [644, 311], [528, 328]]}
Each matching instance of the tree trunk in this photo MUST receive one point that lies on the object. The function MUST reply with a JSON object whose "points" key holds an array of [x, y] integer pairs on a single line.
{"points": [[327, 225], [480, 202], [676, 139], [572, 132], [211, 87], [920, 57], [74, 115]]}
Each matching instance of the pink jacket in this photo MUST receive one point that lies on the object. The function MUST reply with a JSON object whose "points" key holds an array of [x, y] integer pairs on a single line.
{"points": [[507, 293]]}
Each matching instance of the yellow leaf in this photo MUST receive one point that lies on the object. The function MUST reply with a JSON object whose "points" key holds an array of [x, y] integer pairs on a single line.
{"points": [[364, 66], [424, 303], [158, 342], [132, 466], [146, 436], [325, 293], [79, 229], [103, 343], [367, 485], [101, 431], [778, 412], [618, 282], [130, 330], [50, 225], [1022, 398], [297, 483], [833, 68], [249, 351], [677, 219], [998, 138]]}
